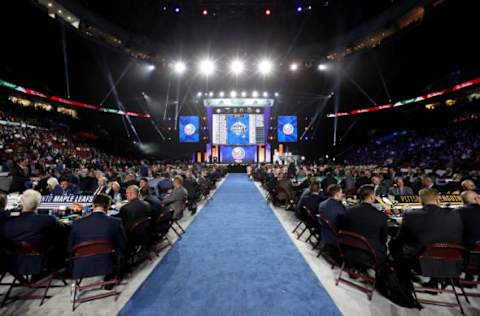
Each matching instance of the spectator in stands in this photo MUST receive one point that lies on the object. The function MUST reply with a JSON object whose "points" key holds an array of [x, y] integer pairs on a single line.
{"points": [[98, 226], [88, 181], [143, 169], [366, 220], [379, 188], [421, 228], [177, 198], [3, 205], [363, 179], [20, 175], [427, 183], [470, 214], [284, 189], [43, 232], [53, 187], [68, 187], [399, 188], [135, 209], [333, 210], [130, 180]]}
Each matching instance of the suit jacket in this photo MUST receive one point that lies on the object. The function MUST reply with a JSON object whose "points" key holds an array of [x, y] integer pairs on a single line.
{"points": [[97, 226], [133, 211], [431, 224], [381, 190], [329, 180], [366, 220], [309, 200], [176, 201], [72, 190], [400, 191], [333, 210], [19, 177], [470, 215], [155, 205]]}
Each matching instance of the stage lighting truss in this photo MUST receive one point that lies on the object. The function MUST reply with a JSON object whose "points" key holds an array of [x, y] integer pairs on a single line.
{"points": [[233, 94]]}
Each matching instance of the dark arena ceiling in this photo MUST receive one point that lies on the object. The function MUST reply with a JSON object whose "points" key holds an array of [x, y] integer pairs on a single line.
{"points": [[379, 50]]}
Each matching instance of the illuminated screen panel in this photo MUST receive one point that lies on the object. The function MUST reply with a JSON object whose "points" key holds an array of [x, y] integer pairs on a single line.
{"points": [[188, 129], [287, 129], [238, 129], [238, 154]]}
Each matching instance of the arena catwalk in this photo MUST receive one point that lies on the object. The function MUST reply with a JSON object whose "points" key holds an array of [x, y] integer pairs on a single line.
{"points": [[235, 259]]}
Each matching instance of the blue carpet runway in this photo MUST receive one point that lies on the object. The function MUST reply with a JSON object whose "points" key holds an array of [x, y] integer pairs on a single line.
{"points": [[235, 259]]}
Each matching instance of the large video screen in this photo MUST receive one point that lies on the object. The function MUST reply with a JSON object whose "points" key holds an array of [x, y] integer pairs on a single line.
{"points": [[287, 129], [238, 154], [238, 129], [188, 128]]}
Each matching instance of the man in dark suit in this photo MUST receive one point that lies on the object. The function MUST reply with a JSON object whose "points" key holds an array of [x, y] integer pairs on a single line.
{"points": [[102, 186], [429, 225], [333, 210], [399, 188], [310, 199], [177, 198], [379, 188], [366, 220], [43, 232], [98, 226], [160, 218], [328, 180], [20, 175], [470, 215], [68, 187], [135, 209]]}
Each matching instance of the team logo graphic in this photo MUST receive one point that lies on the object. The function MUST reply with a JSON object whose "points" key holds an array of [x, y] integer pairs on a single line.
{"points": [[238, 128], [238, 153], [288, 129], [189, 129]]}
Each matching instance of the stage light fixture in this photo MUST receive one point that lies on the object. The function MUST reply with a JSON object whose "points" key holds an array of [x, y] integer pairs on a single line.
{"points": [[205, 12], [151, 67], [299, 9], [237, 67], [177, 10], [199, 94], [179, 67], [59, 11], [221, 94], [244, 94], [293, 67], [49, 4], [322, 67], [265, 94], [265, 67], [255, 94], [277, 94], [210, 94], [206, 67], [268, 12], [233, 94]]}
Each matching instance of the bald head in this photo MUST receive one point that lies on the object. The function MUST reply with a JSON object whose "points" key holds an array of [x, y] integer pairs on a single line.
{"points": [[470, 197], [468, 185]]}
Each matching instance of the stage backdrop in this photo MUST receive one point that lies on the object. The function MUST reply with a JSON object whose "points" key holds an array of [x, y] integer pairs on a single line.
{"points": [[238, 154], [238, 129], [189, 127], [287, 129]]}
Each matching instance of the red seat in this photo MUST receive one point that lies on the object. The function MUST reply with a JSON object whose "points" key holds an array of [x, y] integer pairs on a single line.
{"points": [[351, 240], [443, 261], [26, 251], [91, 249]]}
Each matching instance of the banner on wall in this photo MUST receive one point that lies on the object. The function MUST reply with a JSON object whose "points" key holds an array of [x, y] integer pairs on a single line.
{"points": [[287, 129], [189, 129]]}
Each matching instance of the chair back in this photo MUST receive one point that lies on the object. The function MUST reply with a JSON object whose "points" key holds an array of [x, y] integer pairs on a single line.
{"points": [[140, 224], [327, 224], [25, 259], [474, 257], [348, 241], [92, 248], [24, 248], [442, 260]]}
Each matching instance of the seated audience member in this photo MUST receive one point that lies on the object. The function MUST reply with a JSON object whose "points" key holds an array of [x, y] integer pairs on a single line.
{"points": [[3, 205], [310, 199], [101, 186], [333, 210], [284, 189], [53, 187], [129, 181], [135, 209], [177, 198], [69, 188], [114, 191], [43, 232], [469, 185], [153, 201], [470, 214], [328, 180], [20, 175], [428, 183], [143, 184], [366, 220], [399, 188], [88, 182], [429, 225], [363, 179], [164, 185], [98, 226], [378, 187]]}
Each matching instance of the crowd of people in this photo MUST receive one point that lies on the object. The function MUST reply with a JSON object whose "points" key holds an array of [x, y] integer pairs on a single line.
{"points": [[317, 195]]}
